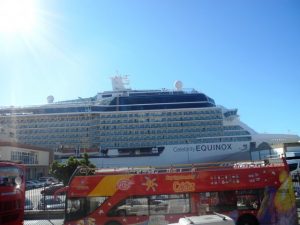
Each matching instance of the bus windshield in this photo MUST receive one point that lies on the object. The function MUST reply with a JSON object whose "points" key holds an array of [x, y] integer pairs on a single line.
{"points": [[10, 176]]}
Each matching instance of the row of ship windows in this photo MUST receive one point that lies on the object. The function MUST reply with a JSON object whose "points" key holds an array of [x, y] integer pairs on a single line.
{"points": [[184, 138], [157, 137], [51, 131], [87, 116], [120, 132], [85, 131], [120, 129], [170, 142], [56, 124], [158, 125], [121, 137], [210, 132], [127, 126], [159, 114], [236, 127], [64, 138], [36, 124], [129, 130], [124, 144], [170, 119], [113, 137], [84, 117], [198, 131]]}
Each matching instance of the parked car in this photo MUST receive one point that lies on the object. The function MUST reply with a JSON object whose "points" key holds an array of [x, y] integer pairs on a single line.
{"points": [[52, 189], [48, 180], [38, 183], [49, 202], [28, 204], [30, 185], [34, 184]]}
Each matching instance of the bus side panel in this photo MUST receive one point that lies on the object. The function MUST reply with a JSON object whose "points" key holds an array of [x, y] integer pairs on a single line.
{"points": [[279, 205]]}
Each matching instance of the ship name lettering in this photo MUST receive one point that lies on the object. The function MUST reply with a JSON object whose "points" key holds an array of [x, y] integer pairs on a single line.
{"points": [[184, 149], [213, 147]]}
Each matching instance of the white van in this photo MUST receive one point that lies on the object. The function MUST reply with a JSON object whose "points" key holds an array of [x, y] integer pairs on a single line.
{"points": [[294, 167], [216, 219]]}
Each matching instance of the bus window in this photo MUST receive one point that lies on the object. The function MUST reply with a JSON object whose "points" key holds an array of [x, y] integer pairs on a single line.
{"points": [[78, 207], [218, 201], [169, 204], [131, 207], [230, 200], [249, 199], [75, 204], [293, 166], [153, 205], [178, 204], [94, 202]]}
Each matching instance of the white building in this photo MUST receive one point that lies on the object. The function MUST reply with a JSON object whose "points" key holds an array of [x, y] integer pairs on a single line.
{"points": [[36, 159]]}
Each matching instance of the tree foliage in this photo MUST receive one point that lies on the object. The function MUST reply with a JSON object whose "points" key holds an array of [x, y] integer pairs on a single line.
{"points": [[63, 171]]}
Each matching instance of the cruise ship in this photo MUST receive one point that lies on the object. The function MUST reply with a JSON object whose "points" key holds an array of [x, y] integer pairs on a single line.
{"points": [[126, 127]]}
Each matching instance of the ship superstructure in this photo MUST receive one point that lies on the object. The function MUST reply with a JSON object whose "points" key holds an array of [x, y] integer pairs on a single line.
{"points": [[127, 127]]}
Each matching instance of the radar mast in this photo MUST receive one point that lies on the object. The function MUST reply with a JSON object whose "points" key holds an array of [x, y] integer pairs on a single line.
{"points": [[119, 83]]}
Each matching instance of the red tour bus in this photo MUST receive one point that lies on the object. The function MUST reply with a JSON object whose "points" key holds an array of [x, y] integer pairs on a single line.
{"points": [[251, 193], [12, 193]]}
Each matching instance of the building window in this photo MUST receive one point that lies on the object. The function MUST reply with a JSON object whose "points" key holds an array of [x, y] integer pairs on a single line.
{"points": [[25, 157]]}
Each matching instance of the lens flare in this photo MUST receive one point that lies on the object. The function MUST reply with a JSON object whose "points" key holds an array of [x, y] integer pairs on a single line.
{"points": [[17, 16]]}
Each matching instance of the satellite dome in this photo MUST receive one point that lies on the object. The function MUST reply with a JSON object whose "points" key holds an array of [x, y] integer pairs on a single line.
{"points": [[50, 99], [178, 85]]}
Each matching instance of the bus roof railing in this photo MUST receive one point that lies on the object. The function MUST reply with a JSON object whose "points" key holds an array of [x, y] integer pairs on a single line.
{"points": [[11, 161], [178, 167]]}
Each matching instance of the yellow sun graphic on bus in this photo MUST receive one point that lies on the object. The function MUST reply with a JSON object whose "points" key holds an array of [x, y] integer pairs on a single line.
{"points": [[150, 184]]}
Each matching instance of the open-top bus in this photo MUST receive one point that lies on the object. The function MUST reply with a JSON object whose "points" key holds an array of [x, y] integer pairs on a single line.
{"points": [[251, 193], [12, 193]]}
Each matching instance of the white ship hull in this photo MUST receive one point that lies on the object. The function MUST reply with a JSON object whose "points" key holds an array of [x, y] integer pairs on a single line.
{"points": [[182, 154]]}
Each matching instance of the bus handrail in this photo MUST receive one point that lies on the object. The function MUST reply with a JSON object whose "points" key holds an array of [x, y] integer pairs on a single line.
{"points": [[84, 171]]}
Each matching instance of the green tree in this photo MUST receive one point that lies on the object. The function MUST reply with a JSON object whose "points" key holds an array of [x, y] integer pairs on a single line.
{"points": [[63, 171]]}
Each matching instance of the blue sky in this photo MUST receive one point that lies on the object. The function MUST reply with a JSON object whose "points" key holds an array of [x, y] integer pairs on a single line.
{"points": [[244, 54]]}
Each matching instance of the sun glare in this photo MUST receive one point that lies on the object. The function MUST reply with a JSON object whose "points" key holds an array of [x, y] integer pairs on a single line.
{"points": [[17, 16]]}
